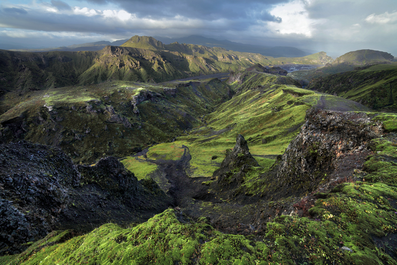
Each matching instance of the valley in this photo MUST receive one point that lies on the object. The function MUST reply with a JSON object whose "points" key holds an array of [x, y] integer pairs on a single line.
{"points": [[184, 154]]}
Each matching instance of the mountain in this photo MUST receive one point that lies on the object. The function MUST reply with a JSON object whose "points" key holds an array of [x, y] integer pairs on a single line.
{"points": [[143, 59], [144, 42], [279, 51], [90, 46], [233, 195]]}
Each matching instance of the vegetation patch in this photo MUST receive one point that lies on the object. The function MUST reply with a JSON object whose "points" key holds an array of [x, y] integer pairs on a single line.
{"points": [[139, 167], [389, 121]]}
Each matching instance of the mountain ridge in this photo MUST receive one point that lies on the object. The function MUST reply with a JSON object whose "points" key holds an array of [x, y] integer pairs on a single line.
{"points": [[193, 39], [27, 71]]}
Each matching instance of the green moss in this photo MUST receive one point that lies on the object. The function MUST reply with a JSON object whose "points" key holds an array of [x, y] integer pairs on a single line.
{"points": [[161, 240], [166, 151], [389, 121], [141, 168], [382, 166]]}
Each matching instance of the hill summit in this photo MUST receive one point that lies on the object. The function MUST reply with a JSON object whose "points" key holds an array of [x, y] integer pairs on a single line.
{"points": [[362, 57], [144, 42]]}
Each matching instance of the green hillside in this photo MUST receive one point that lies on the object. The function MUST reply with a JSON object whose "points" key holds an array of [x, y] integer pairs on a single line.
{"points": [[144, 42], [363, 57], [375, 86]]}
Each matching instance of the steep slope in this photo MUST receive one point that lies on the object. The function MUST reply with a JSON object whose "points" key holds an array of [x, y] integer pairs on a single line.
{"points": [[132, 64], [23, 72], [375, 86]]}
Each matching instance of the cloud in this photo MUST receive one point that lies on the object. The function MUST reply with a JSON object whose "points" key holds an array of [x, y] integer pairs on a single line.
{"points": [[59, 5], [199, 9], [85, 12], [14, 10], [337, 26], [294, 19], [384, 18]]}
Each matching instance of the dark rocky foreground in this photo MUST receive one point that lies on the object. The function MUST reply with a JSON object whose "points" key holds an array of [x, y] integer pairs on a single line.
{"points": [[41, 190]]}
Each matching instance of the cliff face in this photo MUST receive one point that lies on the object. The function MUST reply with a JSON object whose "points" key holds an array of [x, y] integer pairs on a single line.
{"points": [[327, 141], [41, 190]]}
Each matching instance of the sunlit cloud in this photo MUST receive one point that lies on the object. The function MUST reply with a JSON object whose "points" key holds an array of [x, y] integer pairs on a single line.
{"points": [[119, 14], [385, 18], [85, 11], [294, 19]]}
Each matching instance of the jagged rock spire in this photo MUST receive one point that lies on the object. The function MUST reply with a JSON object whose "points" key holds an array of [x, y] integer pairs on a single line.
{"points": [[241, 146]]}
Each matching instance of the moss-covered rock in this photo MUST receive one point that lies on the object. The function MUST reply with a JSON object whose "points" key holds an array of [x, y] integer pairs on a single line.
{"points": [[322, 143]]}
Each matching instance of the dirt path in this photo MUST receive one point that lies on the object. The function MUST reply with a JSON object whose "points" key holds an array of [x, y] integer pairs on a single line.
{"points": [[181, 185]]}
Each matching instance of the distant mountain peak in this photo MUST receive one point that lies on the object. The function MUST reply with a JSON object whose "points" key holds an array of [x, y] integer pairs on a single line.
{"points": [[144, 42]]}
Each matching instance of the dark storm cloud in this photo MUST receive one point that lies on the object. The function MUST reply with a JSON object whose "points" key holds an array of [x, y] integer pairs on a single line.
{"points": [[55, 22], [14, 10], [187, 17], [203, 9], [60, 5]]}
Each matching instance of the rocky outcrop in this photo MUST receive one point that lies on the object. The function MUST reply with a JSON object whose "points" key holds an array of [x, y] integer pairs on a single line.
{"points": [[275, 70], [41, 190], [141, 97], [237, 162], [117, 118], [321, 147]]}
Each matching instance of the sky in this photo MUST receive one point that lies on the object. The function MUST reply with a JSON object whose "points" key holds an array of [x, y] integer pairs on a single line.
{"points": [[333, 26]]}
